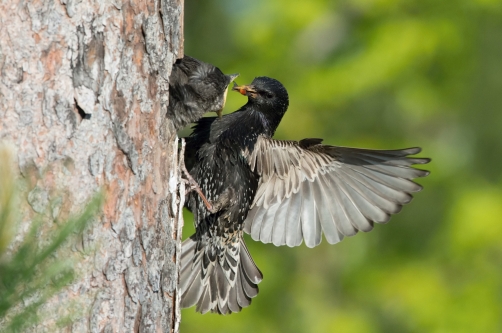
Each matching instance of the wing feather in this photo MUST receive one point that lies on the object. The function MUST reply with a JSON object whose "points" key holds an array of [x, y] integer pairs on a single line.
{"points": [[279, 226], [306, 189], [268, 223], [328, 217], [293, 227]]}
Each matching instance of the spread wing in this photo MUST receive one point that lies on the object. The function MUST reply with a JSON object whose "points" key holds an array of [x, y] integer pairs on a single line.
{"points": [[306, 188]]}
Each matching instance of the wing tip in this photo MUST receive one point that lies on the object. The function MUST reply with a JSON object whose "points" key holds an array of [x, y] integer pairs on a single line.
{"points": [[417, 160], [412, 150], [421, 160], [418, 188], [424, 173]]}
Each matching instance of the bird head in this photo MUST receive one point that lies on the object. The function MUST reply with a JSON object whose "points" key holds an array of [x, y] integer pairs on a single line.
{"points": [[268, 94]]}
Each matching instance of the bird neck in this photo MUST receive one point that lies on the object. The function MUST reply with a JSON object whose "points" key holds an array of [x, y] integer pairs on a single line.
{"points": [[242, 128], [269, 119], [260, 122]]}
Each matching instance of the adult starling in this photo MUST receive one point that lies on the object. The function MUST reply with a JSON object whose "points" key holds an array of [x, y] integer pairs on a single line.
{"points": [[195, 87], [281, 192]]}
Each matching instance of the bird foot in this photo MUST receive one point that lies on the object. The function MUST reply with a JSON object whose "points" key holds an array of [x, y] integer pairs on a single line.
{"points": [[193, 186], [225, 199]]}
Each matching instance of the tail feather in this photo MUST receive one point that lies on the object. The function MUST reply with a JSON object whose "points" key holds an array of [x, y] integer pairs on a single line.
{"points": [[217, 282], [233, 306], [223, 285], [252, 272], [192, 295], [242, 299], [188, 259], [247, 286]]}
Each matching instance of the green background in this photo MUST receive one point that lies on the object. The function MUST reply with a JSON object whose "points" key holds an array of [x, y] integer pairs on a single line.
{"points": [[380, 74]]}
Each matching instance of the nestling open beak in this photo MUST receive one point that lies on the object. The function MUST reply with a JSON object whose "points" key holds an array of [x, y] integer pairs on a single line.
{"points": [[247, 90], [233, 76]]}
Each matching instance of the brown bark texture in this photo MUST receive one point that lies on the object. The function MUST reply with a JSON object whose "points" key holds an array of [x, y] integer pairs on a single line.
{"points": [[83, 98]]}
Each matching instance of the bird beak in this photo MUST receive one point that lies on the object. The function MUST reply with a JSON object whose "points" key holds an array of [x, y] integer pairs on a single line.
{"points": [[232, 77], [248, 90]]}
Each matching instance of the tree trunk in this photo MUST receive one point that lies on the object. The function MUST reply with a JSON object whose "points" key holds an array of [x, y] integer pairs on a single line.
{"points": [[83, 98]]}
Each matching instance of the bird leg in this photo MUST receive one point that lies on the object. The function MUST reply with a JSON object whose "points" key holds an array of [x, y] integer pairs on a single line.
{"points": [[192, 184]]}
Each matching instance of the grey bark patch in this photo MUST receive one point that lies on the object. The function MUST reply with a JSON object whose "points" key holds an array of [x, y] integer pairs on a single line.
{"points": [[88, 69], [89, 236], [96, 163], [154, 48], [172, 18], [117, 4], [127, 248], [154, 276], [96, 311], [126, 144], [79, 326], [48, 106], [137, 252], [53, 22], [25, 117], [108, 328], [71, 5], [36, 24], [131, 315], [115, 267], [150, 311], [125, 226], [147, 235], [132, 278], [167, 319], [56, 207], [129, 231], [145, 104], [11, 73], [65, 115], [38, 198], [144, 169], [85, 100], [169, 285]]}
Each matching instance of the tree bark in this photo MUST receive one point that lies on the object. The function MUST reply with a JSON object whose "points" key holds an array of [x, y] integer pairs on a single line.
{"points": [[83, 97]]}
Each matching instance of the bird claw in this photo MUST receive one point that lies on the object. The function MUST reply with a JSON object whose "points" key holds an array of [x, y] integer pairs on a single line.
{"points": [[212, 209], [193, 186], [225, 199]]}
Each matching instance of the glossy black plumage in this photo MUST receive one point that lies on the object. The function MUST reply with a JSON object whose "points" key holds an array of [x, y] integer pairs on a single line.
{"points": [[195, 87], [281, 192]]}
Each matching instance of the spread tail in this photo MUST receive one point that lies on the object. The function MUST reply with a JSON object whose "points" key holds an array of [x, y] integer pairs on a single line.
{"points": [[221, 279]]}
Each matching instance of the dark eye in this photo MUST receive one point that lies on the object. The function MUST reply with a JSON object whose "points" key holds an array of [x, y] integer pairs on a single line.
{"points": [[269, 95]]}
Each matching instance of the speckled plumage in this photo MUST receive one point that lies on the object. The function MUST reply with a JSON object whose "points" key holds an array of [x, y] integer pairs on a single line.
{"points": [[195, 87], [220, 167], [280, 192]]}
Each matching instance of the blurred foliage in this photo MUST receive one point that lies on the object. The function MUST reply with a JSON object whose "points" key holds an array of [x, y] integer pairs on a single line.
{"points": [[32, 270], [377, 74]]}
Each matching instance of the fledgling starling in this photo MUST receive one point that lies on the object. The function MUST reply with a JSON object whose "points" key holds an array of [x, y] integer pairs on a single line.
{"points": [[196, 87], [280, 192]]}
